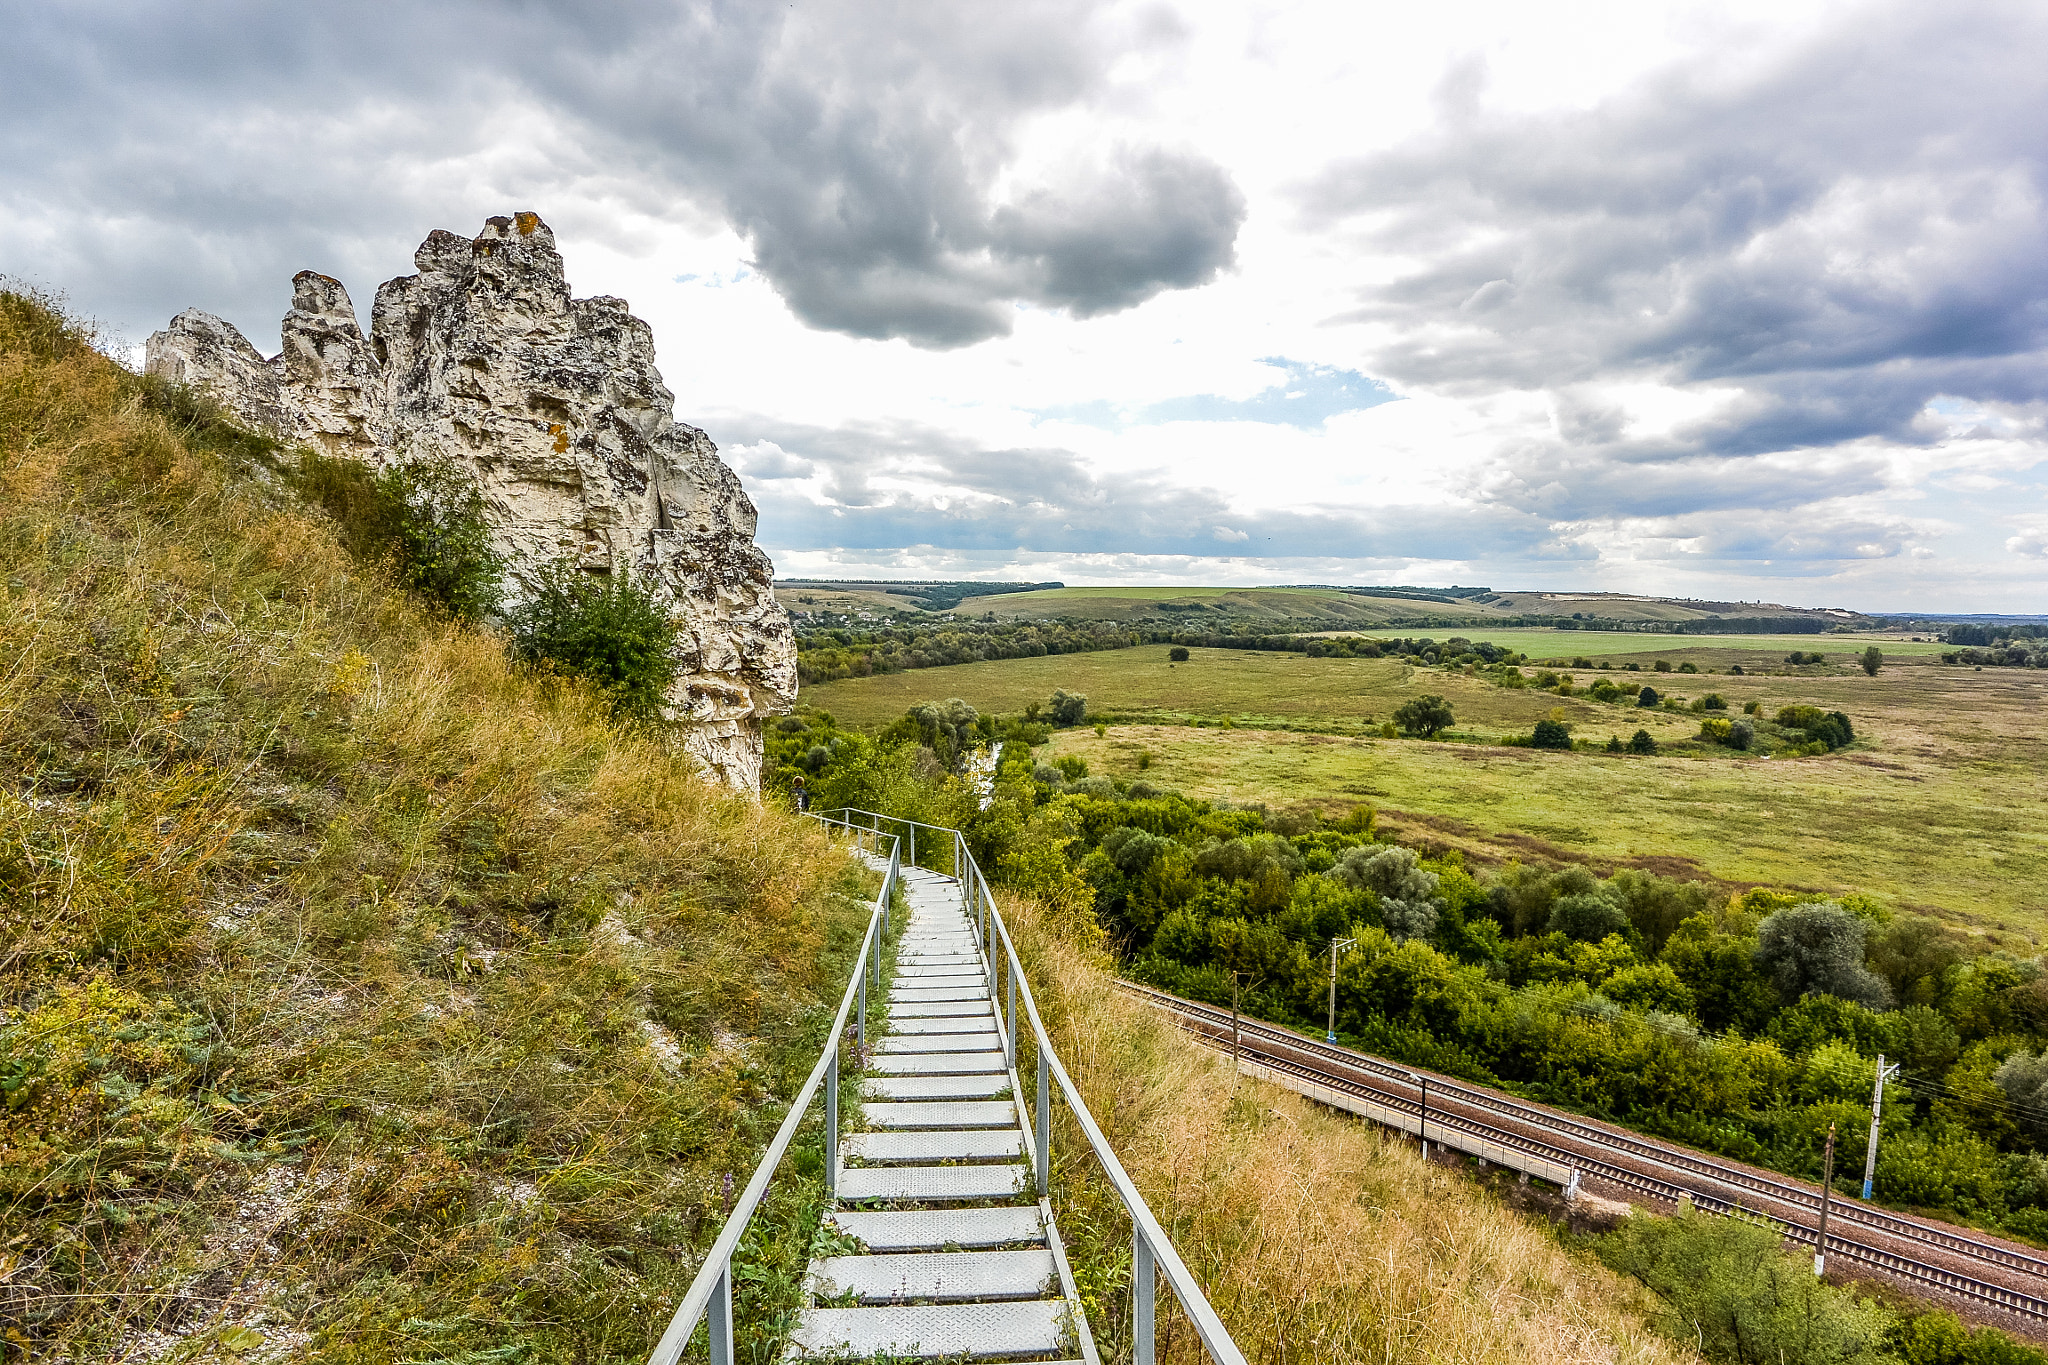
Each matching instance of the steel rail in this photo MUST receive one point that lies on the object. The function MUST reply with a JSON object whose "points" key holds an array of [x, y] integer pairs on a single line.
{"points": [[1879, 1220], [1152, 1251], [1935, 1276], [711, 1290]]}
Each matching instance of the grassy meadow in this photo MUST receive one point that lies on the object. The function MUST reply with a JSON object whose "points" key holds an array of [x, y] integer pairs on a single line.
{"points": [[1942, 805]]}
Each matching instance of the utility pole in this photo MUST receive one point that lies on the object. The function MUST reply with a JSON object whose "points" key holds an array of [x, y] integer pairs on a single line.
{"points": [[1336, 945], [1236, 1048], [1422, 1126], [1827, 1188], [1876, 1109]]}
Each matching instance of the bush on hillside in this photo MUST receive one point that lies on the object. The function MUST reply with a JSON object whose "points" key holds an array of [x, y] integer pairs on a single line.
{"points": [[1178, 654], [603, 628], [1730, 1289], [425, 519], [1551, 734], [1067, 708]]}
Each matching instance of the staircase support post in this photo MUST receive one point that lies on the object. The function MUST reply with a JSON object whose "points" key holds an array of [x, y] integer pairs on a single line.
{"points": [[1144, 1284]]}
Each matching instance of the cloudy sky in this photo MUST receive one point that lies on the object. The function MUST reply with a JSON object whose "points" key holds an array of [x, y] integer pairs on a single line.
{"points": [[1735, 299]]}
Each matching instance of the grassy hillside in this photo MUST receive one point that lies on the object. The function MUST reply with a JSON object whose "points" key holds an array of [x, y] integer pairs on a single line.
{"points": [[1321, 1239], [360, 1000], [1943, 807]]}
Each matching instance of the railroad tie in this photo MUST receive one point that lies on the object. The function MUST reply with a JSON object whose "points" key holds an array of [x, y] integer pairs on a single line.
{"points": [[956, 1255]]}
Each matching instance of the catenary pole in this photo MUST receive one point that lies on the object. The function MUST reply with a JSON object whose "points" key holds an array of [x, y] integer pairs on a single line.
{"points": [[1876, 1111], [1330, 1033]]}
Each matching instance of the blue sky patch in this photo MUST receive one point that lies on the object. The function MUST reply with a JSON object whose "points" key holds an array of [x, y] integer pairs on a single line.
{"points": [[1307, 396]]}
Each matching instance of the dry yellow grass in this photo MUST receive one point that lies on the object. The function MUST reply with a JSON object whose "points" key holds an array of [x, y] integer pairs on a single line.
{"points": [[1318, 1238]]}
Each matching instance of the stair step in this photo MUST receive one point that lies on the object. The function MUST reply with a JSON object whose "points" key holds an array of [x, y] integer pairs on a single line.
{"points": [[931, 1182], [938, 1063], [928, 1114], [940, 1009], [938, 977], [940, 1039], [938, 995], [974, 1144], [978, 1087], [984, 1331], [888, 1230], [936, 1276]]}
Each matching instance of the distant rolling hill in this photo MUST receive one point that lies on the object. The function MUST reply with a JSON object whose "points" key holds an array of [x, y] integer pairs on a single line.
{"points": [[1333, 607]]}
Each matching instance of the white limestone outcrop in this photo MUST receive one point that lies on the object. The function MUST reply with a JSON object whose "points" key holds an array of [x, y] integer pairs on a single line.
{"points": [[554, 404]]}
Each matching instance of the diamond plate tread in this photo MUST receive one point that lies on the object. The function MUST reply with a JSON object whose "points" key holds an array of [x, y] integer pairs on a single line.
{"points": [[937, 1063], [979, 1022], [978, 1087], [978, 1144], [931, 1182], [941, 1009], [923, 1040], [977, 1331], [936, 1114], [888, 1230], [937, 1277]]}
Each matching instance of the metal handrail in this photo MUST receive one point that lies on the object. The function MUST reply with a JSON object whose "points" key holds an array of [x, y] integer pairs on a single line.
{"points": [[711, 1290], [1152, 1252]]}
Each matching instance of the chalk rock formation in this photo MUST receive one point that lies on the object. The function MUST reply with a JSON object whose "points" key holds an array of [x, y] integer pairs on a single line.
{"points": [[556, 407]]}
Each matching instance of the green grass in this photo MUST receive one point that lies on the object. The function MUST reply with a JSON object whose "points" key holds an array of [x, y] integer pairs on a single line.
{"points": [[1943, 804]]}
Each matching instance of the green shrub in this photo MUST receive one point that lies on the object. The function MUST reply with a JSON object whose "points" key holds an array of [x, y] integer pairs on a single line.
{"points": [[426, 520], [1728, 1288], [1178, 654], [1550, 734], [1641, 743], [603, 628]]}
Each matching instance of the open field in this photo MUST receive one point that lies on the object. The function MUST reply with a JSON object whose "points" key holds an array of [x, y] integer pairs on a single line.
{"points": [[1943, 805]]}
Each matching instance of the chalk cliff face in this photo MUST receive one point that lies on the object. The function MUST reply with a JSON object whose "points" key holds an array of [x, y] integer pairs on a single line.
{"points": [[555, 405]]}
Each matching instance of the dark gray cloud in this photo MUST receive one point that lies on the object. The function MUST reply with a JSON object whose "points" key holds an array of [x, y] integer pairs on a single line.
{"points": [[162, 154], [1842, 234]]}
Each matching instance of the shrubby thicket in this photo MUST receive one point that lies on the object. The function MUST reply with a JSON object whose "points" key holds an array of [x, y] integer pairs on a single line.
{"points": [[1743, 1023]]}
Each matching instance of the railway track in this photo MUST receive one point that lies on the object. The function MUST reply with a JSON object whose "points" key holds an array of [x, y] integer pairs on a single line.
{"points": [[1981, 1272]]}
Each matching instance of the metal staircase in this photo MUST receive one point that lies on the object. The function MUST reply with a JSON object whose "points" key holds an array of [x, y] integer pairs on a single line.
{"points": [[962, 1255], [941, 1184]]}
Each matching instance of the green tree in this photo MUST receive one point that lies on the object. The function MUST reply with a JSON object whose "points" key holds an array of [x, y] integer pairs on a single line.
{"points": [[1818, 947], [1873, 659], [1178, 654], [1067, 708], [1427, 715], [1640, 742], [1647, 697], [604, 628], [1588, 917], [1551, 734]]}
